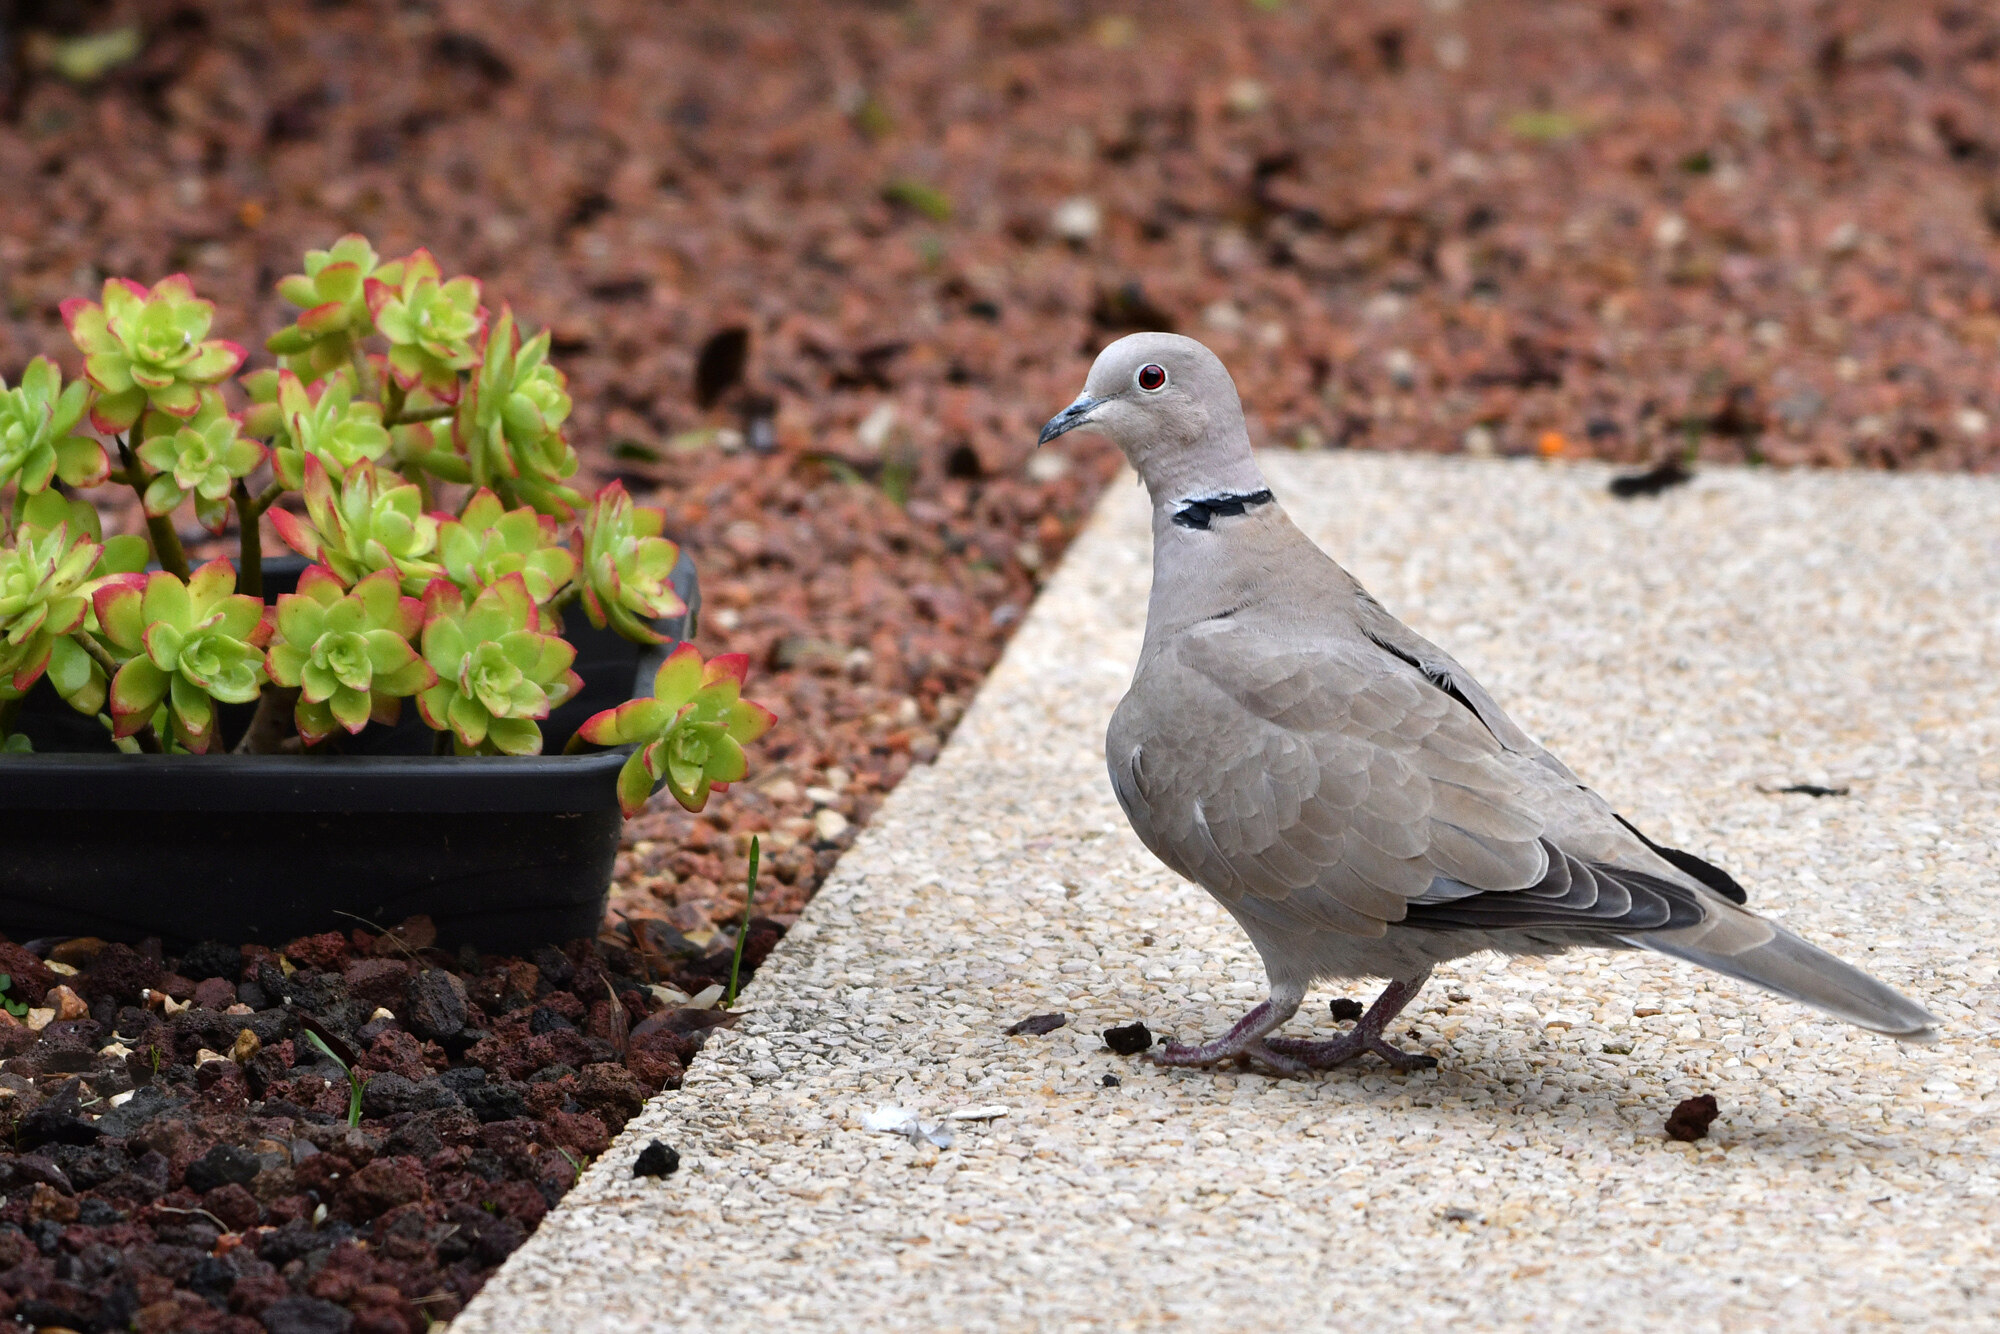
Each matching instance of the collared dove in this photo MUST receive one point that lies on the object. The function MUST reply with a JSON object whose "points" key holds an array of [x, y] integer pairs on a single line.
{"points": [[1354, 799]]}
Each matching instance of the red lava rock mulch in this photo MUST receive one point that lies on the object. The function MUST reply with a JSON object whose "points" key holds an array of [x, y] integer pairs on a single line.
{"points": [[180, 1154]]}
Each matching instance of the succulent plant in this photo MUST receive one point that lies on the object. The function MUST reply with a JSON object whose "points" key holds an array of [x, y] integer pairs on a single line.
{"points": [[487, 542], [42, 599], [37, 417], [626, 566], [372, 520], [192, 644], [201, 457], [350, 656], [691, 733], [39, 579], [497, 673], [148, 348], [430, 324], [333, 300], [511, 423], [323, 420]]}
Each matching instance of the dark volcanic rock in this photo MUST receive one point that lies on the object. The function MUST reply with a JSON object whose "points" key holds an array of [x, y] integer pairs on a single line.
{"points": [[436, 1005]]}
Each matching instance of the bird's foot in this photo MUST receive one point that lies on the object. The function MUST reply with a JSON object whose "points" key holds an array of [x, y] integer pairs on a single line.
{"points": [[1327, 1053], [1245, 1042], [1365, 1036], [1257, 1050]]}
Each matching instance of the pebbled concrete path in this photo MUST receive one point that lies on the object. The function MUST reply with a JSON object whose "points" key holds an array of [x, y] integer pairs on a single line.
{"points": [[1688, 656]]}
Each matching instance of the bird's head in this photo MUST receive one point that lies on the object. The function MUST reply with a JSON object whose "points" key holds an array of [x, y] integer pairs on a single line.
{"points": [[1168, 403]]}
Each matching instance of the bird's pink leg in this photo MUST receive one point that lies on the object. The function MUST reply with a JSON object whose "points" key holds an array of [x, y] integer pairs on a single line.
{"points": [[1365, 1036]]}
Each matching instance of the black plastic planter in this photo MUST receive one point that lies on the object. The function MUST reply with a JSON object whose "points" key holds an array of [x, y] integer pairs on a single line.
{"points": [[502, 853]]}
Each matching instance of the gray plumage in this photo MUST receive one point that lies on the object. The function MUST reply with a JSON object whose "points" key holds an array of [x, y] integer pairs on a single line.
{"points": [[1358, 803]]}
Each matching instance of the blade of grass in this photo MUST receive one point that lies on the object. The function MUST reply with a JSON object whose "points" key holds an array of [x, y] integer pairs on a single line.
{"points": [[743, 930]]}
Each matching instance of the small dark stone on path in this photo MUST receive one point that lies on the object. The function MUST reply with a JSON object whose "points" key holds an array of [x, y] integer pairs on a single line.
{"points": [[656, 1160], [1814, 790], [1130, 1039], [1037, 1024], [1652, 482], [1691, 1119], [1112, 1081], [1345, 1010]]}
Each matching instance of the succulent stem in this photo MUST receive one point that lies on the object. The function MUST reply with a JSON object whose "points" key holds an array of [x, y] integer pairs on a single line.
{"points": [[270, 727], [411, 416], [166, 542], [249, 543]]}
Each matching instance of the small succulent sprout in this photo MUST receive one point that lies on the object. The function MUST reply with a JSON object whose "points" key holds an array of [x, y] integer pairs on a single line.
{"points": [[691, 733], [497, 673], [333, 300], [349, 655], [627, 566], [202, 458], [324, 420], [191, 644], [512, 422], [371, 520], [38, 417], [488, 542], [431, 325], [148, 348]]}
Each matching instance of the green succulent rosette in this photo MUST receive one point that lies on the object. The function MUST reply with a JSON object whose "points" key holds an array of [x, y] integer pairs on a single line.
{"points": [[488, 542], [511, 422], [148, 348], [324, 420], [431, 325], [497, 672], [691, 734], [191, 645], [332, 297], [38, 418], [201, 458], [58, 557], [349, 654], [626, 566], [370, 520]]}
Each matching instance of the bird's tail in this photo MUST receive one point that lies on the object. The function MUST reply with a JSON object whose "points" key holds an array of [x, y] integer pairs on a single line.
{"points": [[1756, 950]]}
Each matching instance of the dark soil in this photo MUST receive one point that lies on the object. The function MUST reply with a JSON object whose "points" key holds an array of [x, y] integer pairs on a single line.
{"points": [[181, 1156]]}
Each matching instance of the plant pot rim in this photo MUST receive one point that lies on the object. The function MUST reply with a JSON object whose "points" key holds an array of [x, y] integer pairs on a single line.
{"points": [[269, 784]]}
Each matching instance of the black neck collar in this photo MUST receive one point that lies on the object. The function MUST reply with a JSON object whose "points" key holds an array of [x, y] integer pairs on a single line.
{"points": [[1198, 513]]}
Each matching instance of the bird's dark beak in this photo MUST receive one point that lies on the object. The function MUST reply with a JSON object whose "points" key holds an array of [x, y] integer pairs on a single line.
{"points": [[1069, 418]]}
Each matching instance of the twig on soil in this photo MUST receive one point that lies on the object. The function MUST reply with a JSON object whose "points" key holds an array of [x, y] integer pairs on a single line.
{"points": [[169, 1209]]}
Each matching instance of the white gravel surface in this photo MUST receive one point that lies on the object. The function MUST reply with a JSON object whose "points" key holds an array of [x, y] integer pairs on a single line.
{"points": [[1687, 655]]}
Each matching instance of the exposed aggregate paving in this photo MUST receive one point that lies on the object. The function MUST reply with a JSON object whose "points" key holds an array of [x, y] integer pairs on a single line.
{"points": [[1688, 655]]}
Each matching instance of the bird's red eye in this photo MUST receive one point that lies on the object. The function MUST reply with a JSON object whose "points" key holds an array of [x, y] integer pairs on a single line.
{"points": [[1152, 378]]}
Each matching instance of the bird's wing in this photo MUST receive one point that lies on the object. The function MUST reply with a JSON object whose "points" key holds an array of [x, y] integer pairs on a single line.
{"points": [[1307, 784], [1334, 786]]}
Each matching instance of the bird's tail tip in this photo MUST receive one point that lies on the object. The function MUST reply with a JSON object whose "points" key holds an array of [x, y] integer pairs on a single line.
{"points": [[1783, 963]]}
